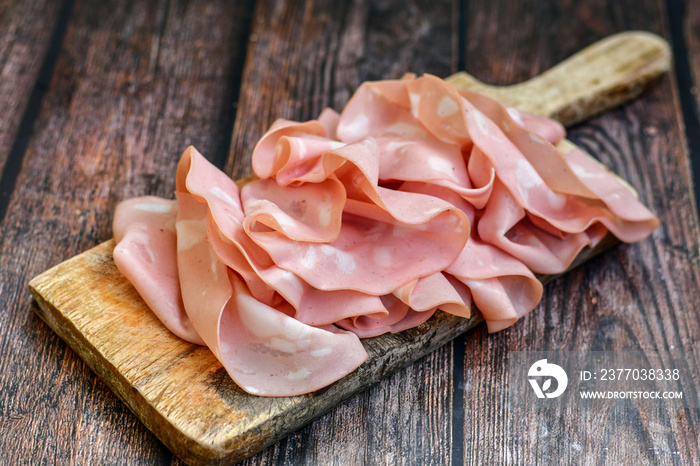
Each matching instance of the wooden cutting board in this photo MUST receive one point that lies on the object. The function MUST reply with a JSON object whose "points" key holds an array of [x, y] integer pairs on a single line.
{"points": [[182, 393]]}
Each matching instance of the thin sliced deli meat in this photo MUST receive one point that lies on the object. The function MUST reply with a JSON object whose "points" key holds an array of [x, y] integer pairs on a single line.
{"points": [[146, 254], [416, 197], [265, 351]]}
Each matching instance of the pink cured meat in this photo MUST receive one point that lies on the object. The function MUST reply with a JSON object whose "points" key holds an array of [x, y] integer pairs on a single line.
{"points": [[418, 196], [146, 254], [265, 351]]}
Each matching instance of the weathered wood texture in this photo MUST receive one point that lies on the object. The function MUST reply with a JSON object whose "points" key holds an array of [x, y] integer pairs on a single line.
{"points": [[691, 34], [305, 57], [25, 32], [587, 83], [134, 83], [54, 410], [685, 20], [642, 296]]}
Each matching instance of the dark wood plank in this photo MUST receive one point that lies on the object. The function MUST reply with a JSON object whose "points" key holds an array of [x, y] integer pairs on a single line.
{"points": [[25, 30], [134, 84], [691, 35], [685, 26], [307, 56], [641, 296]]}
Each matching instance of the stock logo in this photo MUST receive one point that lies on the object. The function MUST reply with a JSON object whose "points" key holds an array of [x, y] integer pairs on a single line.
{"points": [[540, 377]]}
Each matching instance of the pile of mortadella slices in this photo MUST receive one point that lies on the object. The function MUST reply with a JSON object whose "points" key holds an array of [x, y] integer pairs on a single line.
{"points": [[418, 196]]}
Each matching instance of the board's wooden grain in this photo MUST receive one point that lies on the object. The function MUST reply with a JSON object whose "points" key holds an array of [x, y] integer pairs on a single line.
{"points": [[587, 83], [179, 390], [91, 306], [133, 84]]}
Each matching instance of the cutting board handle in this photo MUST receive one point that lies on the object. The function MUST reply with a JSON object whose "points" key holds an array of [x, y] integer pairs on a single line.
{"points": [[602, 76]]}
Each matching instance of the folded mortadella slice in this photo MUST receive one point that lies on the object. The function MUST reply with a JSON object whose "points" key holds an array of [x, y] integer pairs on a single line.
{"points": [[506, 225], [146, 254], [270, 158], [401, 108], [281, 355], [502, 287], [433, 162], [265, 351], [366, 255], [622, 201], [542, 212], [365, 327], [237, 250], [308, 212], [569, 191], [435, 291]]}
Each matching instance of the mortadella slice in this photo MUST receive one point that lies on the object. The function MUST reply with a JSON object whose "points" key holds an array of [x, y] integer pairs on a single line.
{"points": [[146, 254], [264, 350]]}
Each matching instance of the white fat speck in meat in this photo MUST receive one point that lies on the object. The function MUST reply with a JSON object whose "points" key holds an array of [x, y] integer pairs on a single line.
{"points": [[283, 345], [357, 128], [406, 130], [447, 107], [190, 233], [415, 103], [309, 259], [515, 115], [527, 176], [325, 214], [214, 264], [480, 120], [156, 208], [536, 138], [224, 196], [344, 261], [441, 165], [382, 256], [321, 352], [300, 374], [556, 200], [301, 148], [393, 146]]}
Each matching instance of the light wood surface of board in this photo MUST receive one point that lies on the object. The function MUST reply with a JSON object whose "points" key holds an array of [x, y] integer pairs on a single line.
{"points": [[588, 82], [181, 392]]}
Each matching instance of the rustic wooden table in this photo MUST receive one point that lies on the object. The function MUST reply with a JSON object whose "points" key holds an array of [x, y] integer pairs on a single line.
{"points": [[100, 99]]}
